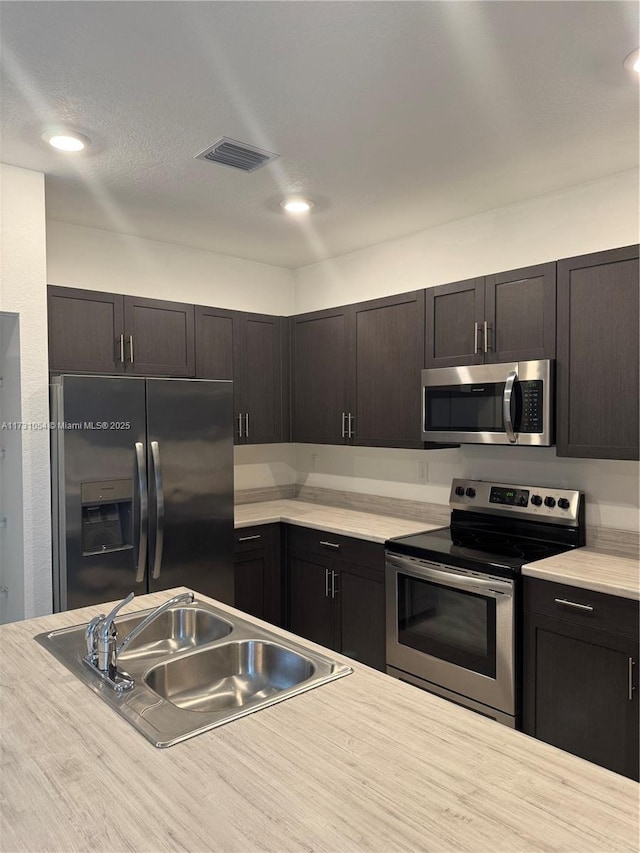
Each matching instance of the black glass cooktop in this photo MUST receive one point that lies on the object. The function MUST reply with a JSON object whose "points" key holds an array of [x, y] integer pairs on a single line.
{"points": [[476, 550]]}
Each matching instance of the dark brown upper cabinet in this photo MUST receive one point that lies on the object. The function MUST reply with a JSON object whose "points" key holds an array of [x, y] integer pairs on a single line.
{"points": [[86, 331], [92, 332], [509, 316], [598, 353], [356, 373], [252, 350], [319, 356], [159, 337], [386, 348]]}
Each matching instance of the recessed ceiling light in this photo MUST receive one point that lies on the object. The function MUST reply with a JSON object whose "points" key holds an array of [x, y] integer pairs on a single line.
{"points": [[632, 62], [66, 140], [297, 205]]}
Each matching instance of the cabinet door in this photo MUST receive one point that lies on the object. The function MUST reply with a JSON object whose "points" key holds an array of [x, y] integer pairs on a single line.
{"points": [[258, 572], [581, 693], [455, 314], [360, 597], [598, 354], [86, 331], [320, 381], [386, 349], [520, 314], [159, 337], [312, 611], [215, 331], [260, 378]]}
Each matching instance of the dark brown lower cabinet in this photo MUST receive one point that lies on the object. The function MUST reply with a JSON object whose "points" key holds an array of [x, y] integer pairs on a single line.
{"points": [[580, 680], [336, 593], [258, 575]]}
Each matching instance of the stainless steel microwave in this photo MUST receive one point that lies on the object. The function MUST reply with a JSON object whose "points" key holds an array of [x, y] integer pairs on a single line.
{"points": [[508, 403]]}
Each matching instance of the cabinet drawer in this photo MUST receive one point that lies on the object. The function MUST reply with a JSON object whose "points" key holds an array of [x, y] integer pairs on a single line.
{"points": [[618, 616], [252, 538], [345, 548]]}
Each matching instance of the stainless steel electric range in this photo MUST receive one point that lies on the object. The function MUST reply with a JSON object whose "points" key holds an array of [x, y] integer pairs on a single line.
{"points": [[453, 594]]}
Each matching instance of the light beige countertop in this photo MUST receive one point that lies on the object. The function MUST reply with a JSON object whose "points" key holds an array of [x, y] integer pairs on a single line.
{"points": [[590, 569], [348, 522], [584, 567], [365, 763]]}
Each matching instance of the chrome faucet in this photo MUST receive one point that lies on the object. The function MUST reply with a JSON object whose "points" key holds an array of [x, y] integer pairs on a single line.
{"points": [[102, 640]]}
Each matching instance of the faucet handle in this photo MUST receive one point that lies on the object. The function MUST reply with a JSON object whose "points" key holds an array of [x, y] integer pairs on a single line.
{"points": [[107, 622]]}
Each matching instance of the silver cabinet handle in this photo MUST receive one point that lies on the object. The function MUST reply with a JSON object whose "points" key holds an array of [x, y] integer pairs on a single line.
{"points": [[586, 607], [350, 422], [333, 584], [157, 472], [475, 338], [246, 425], [506, 406], [144, 510], [631, 687], [485, 334], [131, 348], [239, 424], [344, 429], [326, 583], [249, 538], [122, 349], [329, 544]]}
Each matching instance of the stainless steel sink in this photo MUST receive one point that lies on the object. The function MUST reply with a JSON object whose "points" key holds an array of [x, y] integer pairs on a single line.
{"points": [[229, 676], [196, 668], [174, 631]]}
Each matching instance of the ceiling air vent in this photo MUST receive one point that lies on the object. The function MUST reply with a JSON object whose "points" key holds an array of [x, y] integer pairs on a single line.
{"points": [[238, 155]]}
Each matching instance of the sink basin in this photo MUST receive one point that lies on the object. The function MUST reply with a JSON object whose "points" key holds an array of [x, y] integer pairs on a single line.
{"points": [[175, 630], [229, 675], [194, 668]]}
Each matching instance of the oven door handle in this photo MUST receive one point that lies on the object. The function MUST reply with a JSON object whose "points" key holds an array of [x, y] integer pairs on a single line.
{"points": [[492, 587], [506, 406]]}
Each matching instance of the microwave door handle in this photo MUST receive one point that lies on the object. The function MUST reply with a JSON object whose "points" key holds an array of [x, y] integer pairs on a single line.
{"points": [[506, 406]]}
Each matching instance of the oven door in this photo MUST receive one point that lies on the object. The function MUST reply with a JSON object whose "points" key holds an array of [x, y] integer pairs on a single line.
{"points": [[452, 628]]}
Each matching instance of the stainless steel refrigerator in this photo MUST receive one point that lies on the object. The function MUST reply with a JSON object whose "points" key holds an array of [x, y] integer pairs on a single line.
{"points": [[142, 487]]}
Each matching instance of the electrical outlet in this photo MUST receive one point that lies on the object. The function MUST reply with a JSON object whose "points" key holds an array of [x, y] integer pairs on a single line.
{"points": [[423, 471]]}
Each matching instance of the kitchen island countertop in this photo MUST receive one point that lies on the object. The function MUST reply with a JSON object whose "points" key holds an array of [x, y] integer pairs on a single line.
{"points": [[365, 763]]}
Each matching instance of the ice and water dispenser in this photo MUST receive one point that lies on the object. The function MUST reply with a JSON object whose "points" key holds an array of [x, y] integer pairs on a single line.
{"points": [[107, 516]]}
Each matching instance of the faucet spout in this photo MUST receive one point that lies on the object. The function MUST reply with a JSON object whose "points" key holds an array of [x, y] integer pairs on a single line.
{"points": [[183, 598]]}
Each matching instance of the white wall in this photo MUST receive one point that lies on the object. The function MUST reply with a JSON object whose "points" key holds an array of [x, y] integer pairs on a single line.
{"points": [[117, 263], [23, 292], [599, 215], [11, 530]]}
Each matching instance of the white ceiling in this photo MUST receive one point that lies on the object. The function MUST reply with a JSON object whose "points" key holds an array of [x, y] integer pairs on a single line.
{"points": [[392, 116]]}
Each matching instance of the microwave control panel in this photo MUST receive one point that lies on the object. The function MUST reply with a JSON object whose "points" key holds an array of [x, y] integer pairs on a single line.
{"points": [[531, 397]]}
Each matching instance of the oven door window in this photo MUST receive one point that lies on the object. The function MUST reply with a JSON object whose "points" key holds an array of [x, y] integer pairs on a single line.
{"points": [[449, 624]]}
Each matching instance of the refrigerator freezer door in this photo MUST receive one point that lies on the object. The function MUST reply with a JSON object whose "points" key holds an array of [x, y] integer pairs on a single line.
{"points": [[190, 465], [96, 488]]}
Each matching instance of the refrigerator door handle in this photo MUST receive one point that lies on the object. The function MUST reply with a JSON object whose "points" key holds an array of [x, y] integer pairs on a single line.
{"points": [[157, 473], [144, 511]]}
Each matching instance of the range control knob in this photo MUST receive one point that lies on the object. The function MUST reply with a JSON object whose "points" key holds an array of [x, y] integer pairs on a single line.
{"points": [[536, 500], [471, 493], [550, 502], [460, 491], [563, 503]]}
